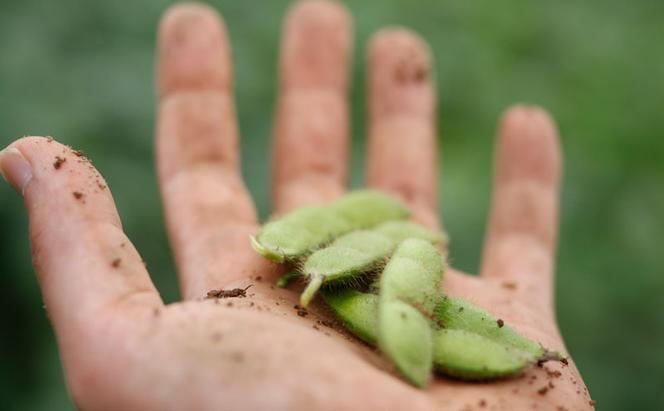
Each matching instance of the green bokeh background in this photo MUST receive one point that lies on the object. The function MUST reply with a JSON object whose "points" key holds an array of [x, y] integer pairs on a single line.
{"points": [[82, 71]]}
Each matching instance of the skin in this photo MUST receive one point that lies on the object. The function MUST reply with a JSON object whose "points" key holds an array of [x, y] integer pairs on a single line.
{"points": [[121, 348]]}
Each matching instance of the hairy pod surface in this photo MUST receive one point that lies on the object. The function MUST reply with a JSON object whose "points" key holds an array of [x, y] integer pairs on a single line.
{"points": [[408, 293], [297, 233], [471, 345], [359, 252]]}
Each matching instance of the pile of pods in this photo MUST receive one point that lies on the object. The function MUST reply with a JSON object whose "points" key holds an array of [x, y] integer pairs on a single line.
{"points": [[381, 275]]}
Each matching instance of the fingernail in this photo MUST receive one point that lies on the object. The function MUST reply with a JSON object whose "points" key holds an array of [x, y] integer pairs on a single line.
{"points": [[15, 169]]}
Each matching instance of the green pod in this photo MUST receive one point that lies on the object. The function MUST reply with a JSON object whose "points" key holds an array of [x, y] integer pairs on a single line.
{"points": [[471, 356], [359, 252], [405, 337], [458, 314], [471, 345], [297, 233], [408, 294], [357, 311]]}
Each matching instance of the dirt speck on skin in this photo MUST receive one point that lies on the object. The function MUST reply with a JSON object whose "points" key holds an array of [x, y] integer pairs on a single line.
{"points": [[78, 153], [326, 323], [49, 139], [302, 312], [116, 263], [591, 403], [554, 374], [500, 323], [59, 161], [510, 285], [259, 278], [482, 403], [564, 361], [77, 195], [543, 390]]}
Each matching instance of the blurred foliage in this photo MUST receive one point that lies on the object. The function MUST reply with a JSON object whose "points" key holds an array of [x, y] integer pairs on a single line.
{"points": [[83, 71]]}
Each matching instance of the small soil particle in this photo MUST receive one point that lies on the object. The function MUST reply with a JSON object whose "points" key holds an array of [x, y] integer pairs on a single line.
{"points": [[543, 390], [315, 327], [554, 374], [302, 312], [258, 278], [510, 285], [116, 263], [326, 323], [564, 361], [77, 195], [78, 153], [460, 309], [500, 323], [229, 304], [59, 161], [591, 403]]}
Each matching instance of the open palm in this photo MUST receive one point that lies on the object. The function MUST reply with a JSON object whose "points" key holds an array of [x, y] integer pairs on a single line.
{"points": [[123, 349]]}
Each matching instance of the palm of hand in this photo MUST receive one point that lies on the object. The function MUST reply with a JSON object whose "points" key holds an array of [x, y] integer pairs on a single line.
{"points": [[123, 349]]}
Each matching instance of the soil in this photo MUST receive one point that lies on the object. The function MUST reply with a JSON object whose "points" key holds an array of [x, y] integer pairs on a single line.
{"points": [[59, 161], [500, 323], [116, 263], [77, 195]]}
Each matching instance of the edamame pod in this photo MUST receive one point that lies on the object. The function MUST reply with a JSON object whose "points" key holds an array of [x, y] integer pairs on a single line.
{"points": [[471, 345], [408, 294], [359, 252], [299, 232]]}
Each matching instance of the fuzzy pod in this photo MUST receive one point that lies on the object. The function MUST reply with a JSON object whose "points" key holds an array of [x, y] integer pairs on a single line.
{"points": [[301, 231], [471, 356], [357, 311], [459, 314], [408, 292], [359, 252], [470, 346]]}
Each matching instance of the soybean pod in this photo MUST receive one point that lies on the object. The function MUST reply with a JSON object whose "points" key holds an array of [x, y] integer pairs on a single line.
{"points": [[408, 293], [299, 232], [359, 252], [471, 345]]}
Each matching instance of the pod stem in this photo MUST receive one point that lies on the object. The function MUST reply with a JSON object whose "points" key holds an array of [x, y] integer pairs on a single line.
{"points": [[311, 289], [287, 278]]}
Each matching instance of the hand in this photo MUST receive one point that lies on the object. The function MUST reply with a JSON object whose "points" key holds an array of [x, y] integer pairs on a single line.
{"points": [[123, 349]]}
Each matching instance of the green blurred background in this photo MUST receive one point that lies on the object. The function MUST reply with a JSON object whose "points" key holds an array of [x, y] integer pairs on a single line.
{"points": [[83, 70]]}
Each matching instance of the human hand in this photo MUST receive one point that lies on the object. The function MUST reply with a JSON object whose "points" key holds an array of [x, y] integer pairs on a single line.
{"points": [[123, 349]]}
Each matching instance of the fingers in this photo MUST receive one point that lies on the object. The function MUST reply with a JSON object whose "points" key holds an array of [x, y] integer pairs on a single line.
{"points": [[208, 210], [312, 120], [521, 237], [402, 133], [87, 267]]}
